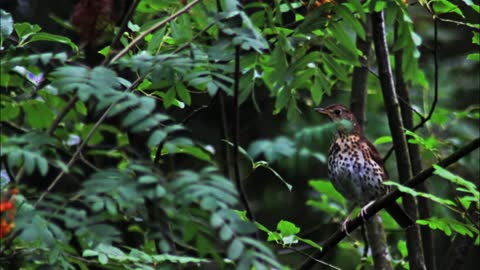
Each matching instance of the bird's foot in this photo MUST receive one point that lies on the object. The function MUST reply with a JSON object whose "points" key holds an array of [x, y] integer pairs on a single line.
{"points": [[363, 211], [344, 226]]}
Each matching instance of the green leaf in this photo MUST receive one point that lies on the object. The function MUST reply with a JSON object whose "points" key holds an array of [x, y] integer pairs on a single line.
{"points": [[402, 247], [216, 220], [25, 30], [382, 140], [226, 233], [379, 5], [310, 243], [335, 67], [42, 165], [265, 164], [105, 51], [405, 189], [6, 24], [326, 187], [445, 6], [155, 42], [29, 162], [89, 253], [183, 93], [476, 38], [351, 20], [235, 249], [102, 259], [448, 225], [287, 228], [430, 144], [316, 91], [42, 36], [456, 179], [474, 57], [9, 110], [194, 151], [156, 137], [177, 259]]}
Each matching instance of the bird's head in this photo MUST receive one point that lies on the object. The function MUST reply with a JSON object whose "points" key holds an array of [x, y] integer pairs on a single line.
{"points": [[341, 116]]}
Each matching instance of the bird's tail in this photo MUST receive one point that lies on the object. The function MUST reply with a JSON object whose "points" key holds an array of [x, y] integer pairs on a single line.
{"points": [[399, 215]]}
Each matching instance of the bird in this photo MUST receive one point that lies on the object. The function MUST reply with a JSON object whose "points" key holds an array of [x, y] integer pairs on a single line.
{"points": [[355, 167]]}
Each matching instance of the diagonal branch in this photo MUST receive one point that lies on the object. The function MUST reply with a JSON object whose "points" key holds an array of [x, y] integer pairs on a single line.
{"points": [[154, 28], [338, 236], [123, 27], [79, 150]]}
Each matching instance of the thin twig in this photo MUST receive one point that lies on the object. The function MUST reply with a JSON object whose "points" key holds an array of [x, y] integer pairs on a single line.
{"points": [[62, 114], [122, 29], [76, 154], [336, 237], [82, 145], [314, 259], [236, 132], [152, 29]]}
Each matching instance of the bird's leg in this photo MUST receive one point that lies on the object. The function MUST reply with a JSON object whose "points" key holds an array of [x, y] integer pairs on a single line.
{"points": [[363, 211], [345, 223]]}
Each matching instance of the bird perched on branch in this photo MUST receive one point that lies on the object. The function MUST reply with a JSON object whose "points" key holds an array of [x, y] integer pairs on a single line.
{"points": [[355, 167]]}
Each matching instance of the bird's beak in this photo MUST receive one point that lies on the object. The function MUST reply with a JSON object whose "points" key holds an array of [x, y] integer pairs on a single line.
{"points": [[321, 110]]}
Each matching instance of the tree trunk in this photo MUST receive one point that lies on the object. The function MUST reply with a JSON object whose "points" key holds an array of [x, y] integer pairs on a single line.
{"points": [[415, 159], [358, 103], [414, 246]]}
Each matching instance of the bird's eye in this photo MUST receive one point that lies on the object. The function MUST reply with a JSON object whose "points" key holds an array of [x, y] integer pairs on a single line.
{"points": [[337, 112]]}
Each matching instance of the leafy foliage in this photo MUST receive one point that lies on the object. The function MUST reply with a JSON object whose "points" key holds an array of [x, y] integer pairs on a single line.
{"points": [[120, 164]]}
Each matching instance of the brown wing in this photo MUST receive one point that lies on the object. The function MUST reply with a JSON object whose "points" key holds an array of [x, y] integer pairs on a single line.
{"points": [[373, 152]]}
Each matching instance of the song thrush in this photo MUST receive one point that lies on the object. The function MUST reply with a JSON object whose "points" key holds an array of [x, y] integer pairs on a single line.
{"points": [[355, 166]]}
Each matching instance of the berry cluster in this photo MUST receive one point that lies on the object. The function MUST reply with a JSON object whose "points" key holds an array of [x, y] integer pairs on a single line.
{"points": [[7, 212]]}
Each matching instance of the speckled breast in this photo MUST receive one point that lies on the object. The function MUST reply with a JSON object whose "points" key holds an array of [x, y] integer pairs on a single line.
{"points": [[352, 171]]}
